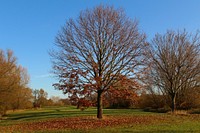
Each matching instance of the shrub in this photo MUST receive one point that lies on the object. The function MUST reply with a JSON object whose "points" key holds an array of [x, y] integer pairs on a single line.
{"points": [[194, 111], [151, 101]]}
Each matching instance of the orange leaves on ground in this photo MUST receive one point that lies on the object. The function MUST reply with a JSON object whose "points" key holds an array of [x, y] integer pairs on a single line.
{"points": [[74, 123]]}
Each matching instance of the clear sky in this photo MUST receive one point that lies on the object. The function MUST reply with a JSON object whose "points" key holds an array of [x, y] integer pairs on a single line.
{"points": [[29, 27]]}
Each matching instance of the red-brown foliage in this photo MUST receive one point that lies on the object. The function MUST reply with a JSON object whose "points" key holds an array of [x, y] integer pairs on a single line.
{"points": [[78, 123]]}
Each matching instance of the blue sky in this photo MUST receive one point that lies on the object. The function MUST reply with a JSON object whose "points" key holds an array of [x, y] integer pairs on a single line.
{"points": [[29, 27]]}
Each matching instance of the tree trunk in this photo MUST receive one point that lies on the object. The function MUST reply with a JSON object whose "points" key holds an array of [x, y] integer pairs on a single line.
{"points": [[173, 104], [99, 105]]}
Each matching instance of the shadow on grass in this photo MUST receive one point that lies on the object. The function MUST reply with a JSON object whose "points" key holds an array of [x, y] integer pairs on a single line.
{"points": [[48, 114], [45, 113]]}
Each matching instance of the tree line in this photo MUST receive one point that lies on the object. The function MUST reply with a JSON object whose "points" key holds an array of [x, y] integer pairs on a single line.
{"points": [[14, 91]]}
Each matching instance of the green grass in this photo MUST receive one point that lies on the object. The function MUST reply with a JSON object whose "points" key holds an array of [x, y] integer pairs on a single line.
{"points": [[172, 127], [44, 114], [165, 123], [58, 112]]}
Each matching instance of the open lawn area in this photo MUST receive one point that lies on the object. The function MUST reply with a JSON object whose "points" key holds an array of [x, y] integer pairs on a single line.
{"points": [[70, 119]]}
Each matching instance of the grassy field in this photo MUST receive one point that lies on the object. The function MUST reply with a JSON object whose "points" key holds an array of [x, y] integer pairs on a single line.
{"points": [[70, 119]]}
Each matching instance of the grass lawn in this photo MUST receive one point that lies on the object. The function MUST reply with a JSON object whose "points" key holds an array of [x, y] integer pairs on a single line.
{"points": [[70, 119]]}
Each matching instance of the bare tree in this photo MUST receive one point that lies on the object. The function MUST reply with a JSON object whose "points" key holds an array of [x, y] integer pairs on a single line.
{"points": [[175, 64], [95, 49]]}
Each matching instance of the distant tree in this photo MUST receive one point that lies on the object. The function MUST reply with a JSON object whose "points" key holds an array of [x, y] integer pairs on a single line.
{"points": [[40, 98], [35, 98], [57, 101], [174, 64], [49, 102], [95, 49], [65, 101], [22, 96]]}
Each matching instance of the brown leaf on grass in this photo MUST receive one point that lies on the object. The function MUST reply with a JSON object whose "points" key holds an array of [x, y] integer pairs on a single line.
{"points": [[84, 123]]}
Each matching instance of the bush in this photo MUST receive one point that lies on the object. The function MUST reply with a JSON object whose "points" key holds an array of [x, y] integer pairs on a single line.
{"points": [[147, 109], [120, 98], [158, 110], [189, 100], [151, 101], [2, 111], [163, 110], [158, 103], [194, 111]]}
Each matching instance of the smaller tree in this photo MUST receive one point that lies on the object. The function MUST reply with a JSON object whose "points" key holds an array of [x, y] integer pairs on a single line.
{"points": [[174, 64], [23, 95], [40, 98], [66, 101], [57, 101]]}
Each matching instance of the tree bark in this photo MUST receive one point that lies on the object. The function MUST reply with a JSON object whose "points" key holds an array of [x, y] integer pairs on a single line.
{"points": [[99, 105], [173, 104]]}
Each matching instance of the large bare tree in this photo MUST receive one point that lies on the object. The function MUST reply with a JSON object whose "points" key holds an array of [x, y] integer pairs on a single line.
{"points": [[94, 49], [175, 64]]}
